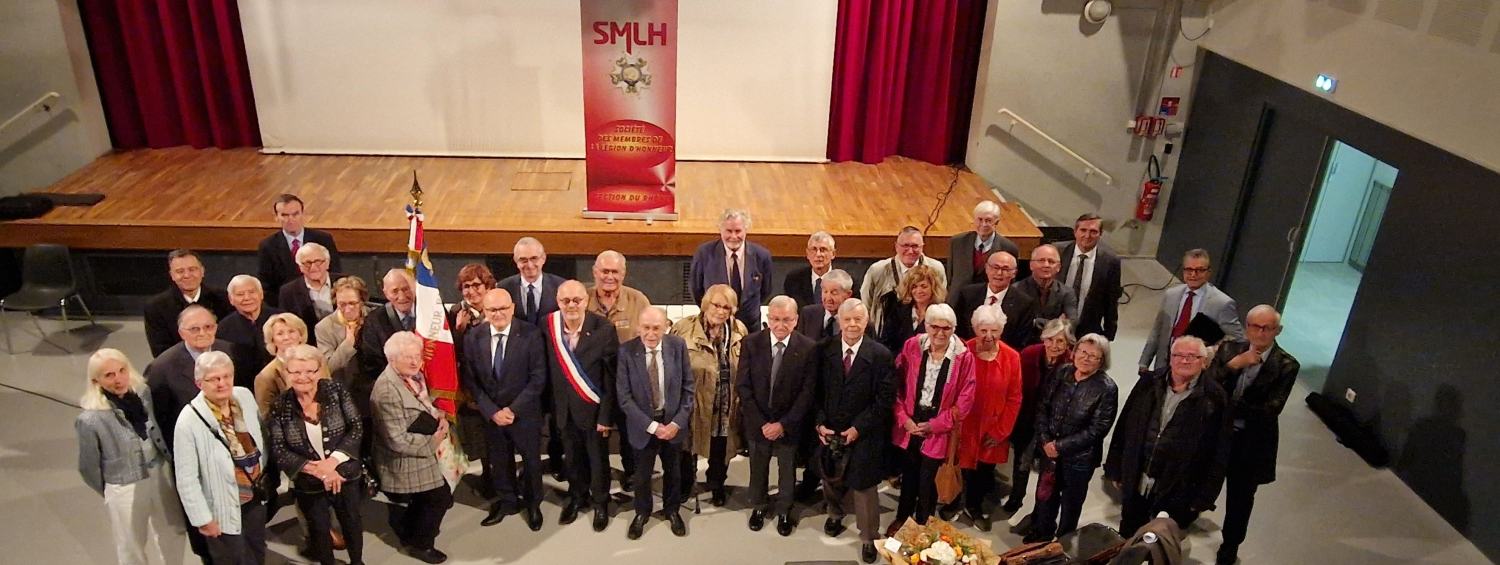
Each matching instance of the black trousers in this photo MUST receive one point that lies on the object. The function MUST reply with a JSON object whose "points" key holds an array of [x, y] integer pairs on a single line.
{"points": [[1239, 499], [587, 456], [1137, 510], [197, 541], [918, 483], [247, 547], [1068, 493], [627, 453], [504, 443], [315, 509], [418, 523], [671, 480], [1020, 476], [978, 482], [718, 466], [761, 451]]}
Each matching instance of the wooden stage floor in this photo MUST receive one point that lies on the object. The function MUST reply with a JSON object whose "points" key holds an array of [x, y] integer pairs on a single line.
{"points": [[221, 200]]}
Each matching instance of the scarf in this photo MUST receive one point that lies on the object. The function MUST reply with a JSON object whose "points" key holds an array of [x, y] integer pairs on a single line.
{"points": [[242, 448], [134, 409]]}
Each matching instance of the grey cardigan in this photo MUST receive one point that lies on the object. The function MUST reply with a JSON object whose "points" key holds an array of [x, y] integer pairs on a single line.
{"points": [[109, 452], [205, 469]]}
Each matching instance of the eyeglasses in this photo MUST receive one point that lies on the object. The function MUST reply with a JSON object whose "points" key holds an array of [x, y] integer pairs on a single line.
{"points": [[1194, 270], [781, 320], [573, 300], [910, 246], [195, 330], [500, 309], [1045, 261], [476, 285], [1263, 328], [721, 305], [310, 263], [940, 329], [1087, 356], [1186, 357], [1004, 269], [342, 304]]}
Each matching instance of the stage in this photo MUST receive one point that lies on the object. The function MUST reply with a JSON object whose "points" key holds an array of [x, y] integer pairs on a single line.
{"points": [[220, 200]]}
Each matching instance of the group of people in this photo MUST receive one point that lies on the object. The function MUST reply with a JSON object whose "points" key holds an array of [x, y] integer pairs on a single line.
{"points": [[853, 387]]}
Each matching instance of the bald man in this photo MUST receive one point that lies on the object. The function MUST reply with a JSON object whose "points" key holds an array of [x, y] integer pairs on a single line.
{"points": [[582, 355], [1053, 298]]}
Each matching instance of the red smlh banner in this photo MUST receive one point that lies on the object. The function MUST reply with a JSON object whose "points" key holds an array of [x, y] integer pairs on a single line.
{"points": [[630, 107]]}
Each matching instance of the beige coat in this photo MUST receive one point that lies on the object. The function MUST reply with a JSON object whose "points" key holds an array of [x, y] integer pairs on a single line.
{"points": [[706, 381], [271, 382]]}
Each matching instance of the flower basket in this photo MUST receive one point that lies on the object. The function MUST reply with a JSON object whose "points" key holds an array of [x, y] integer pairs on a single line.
{"points": [[937, 543]]}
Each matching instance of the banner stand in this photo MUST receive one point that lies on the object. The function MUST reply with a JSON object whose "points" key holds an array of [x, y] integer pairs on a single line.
{"points": [[610, 217]]}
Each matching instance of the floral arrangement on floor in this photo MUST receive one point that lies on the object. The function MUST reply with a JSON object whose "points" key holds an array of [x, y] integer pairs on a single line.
{"points": [[937, 543]]}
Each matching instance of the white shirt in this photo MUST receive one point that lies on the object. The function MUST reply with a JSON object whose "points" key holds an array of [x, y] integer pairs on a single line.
{"points": [[315, 440], [984, 245], [322, 297], [929, 381], [294, 238], [1197, 300], [739, 259], [196, 295], [534, 287], [661, 382], [817, 282], [495, 337], [851, 350], [999, 297], [783, 343], [1087, 273]]}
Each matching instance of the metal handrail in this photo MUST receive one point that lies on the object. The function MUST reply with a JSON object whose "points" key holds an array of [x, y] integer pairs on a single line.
{"points": [[45, 103], [1092, 168]]}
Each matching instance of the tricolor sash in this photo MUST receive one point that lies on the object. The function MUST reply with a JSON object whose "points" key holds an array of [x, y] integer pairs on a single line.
{"points": [[571, 368]]}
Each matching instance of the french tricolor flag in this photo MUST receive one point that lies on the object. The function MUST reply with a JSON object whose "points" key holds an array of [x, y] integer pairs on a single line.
{"points": [[439, 364]]}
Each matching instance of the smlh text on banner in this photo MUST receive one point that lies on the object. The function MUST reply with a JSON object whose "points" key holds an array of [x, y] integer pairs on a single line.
{"points": [[630, 108]]}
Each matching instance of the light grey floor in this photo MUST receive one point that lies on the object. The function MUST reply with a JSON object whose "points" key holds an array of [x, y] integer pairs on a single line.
{"points": [[1327, 507], [1317, 308]]}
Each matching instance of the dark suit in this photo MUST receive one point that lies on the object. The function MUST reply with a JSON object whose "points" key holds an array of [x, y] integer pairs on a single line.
{"points": [[249, 339], [811, 322], [586, 451], [1060, 301], [516, 384], [1256, 436], [1099, 311], [277, 265], [784, 398], [1019, 309], [709, 268], [961, 268], [380, 324], [863, 399], [170, 378], [294, 298], [546, 300], [798, 284], [633, 390], [161, 311]]}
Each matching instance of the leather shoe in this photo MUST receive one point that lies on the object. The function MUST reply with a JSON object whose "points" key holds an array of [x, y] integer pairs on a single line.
{"points": [[719, 497], [1035, 537], [947, 513], [979, 519], [890, 531], [497, 513], [1227, 555], [1012, 506], [757, 520], [534, 519], [834, 526], [637, 526], [679, 528], [569, 514], [867, 552], [601, 518], [430, 555], [784, 525], [336, 538]]}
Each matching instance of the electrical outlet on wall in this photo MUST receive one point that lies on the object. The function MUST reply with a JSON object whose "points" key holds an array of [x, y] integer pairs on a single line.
{"points": [[1349, 395]]}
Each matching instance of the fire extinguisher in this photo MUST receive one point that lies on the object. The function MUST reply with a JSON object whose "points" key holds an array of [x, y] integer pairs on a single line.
{"points": [[1145, 207]]}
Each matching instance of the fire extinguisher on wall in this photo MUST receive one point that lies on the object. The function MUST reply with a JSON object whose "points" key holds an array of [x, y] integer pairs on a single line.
{"points": [[1145, 207]]}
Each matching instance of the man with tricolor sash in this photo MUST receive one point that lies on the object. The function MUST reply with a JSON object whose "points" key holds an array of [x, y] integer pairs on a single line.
{"points": [[582, 351]]}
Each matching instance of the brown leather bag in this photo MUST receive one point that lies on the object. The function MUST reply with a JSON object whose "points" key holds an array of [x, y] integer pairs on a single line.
{"points": [[1032, 553], [950, 479]]}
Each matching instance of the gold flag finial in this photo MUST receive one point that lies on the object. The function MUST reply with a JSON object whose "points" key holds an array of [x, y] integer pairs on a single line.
{"points": [[416, 193]]}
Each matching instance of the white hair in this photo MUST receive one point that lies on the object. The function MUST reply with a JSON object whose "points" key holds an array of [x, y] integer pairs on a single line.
{"points": [[1102, 344], [527, 241], [309, 248], [401, 272], [1202, 347], [1264, 309], [841, 278], [193, 309], [211, 361], [784, 301], [940, 313], [93, 394], [240, 280], [849, 305], [1058, 326], [821, 236], [988, 207], [732, 213], [399, 342], [986, 314]]}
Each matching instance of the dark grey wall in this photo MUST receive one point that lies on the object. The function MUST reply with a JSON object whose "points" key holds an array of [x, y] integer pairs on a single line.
{"points": [[1421, 344]]}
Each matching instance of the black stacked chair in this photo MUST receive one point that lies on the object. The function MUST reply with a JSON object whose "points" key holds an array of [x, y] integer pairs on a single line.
{"points": [[46, 282]]}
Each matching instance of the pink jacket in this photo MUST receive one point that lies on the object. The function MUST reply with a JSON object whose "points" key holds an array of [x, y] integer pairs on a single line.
{"points": [[959, 392]]}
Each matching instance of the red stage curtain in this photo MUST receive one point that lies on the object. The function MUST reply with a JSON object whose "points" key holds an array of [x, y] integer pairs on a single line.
{"points": [[903, 79], [172, 72]]}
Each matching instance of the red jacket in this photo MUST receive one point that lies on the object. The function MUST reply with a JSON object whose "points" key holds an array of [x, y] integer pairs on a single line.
{"points": [[997, 401], [958, 393]]}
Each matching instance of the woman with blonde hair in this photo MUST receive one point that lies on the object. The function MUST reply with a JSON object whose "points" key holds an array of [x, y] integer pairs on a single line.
{"points": [[282, 332], [122, 456], [905, 309], [713, 338]]}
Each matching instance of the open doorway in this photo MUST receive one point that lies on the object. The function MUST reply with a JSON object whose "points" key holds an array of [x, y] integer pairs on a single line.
{"points": [[1350, 204]]}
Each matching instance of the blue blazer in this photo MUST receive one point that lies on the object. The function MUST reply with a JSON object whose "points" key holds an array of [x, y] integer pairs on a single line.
{"points": [[709, 269], [546, 300], [522, 377], [634, 390]]}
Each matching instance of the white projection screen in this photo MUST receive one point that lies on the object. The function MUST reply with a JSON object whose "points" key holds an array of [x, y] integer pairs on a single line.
{"points": [[503, 77]]}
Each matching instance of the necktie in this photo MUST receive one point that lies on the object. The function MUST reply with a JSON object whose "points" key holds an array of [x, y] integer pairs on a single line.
{"points": [[817, 288], [1184, 317], [531, 302], [409, 322], [652, 374], [848, 359], [734, 276], [776, 365], [1083, 265], [296, 244], [499, 341], [829, 326], [993, 299]]}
